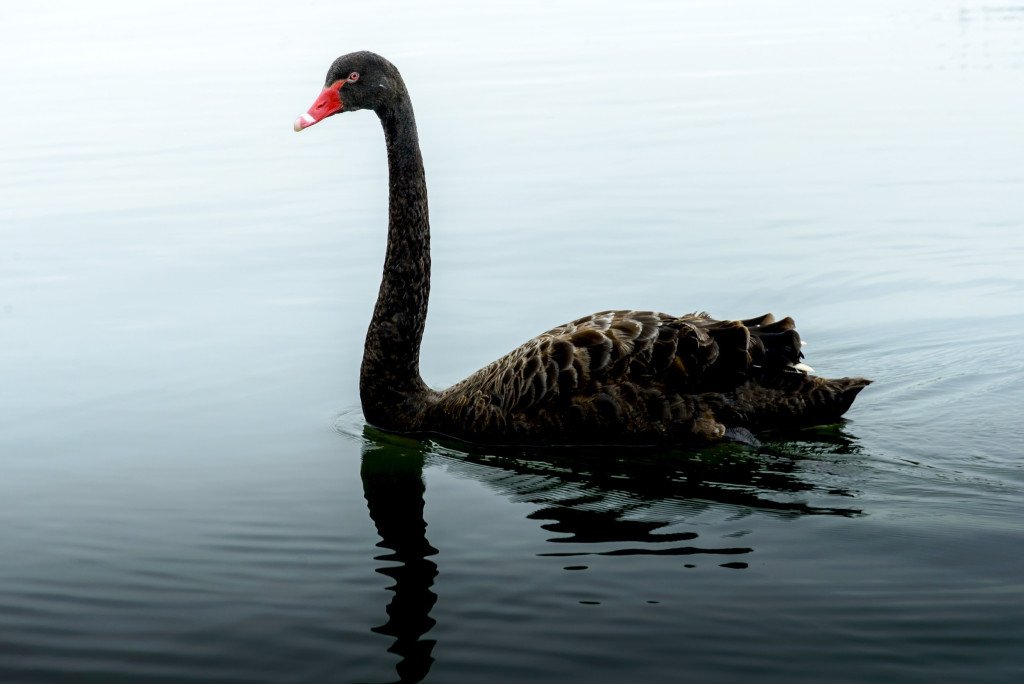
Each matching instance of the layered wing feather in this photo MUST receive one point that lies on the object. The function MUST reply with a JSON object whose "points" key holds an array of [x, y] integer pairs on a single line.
{"points": [[640, 376]]}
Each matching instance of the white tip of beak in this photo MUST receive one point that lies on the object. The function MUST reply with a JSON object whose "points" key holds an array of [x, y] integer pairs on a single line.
{"points": [[303, 121], [803, 367]]}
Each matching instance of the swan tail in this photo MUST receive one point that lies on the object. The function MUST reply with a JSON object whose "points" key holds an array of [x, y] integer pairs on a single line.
{"points": [[794, 400], [762, 382], [828, 399]]}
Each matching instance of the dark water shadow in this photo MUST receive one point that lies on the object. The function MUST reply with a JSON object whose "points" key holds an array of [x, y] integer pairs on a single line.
{"points": [[393, 486], [587, 496]]}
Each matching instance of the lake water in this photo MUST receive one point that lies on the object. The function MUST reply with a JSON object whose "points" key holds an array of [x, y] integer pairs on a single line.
{"points": [[188, 492]]}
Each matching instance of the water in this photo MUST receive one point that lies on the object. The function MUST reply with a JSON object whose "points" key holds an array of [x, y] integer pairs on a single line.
{"points": [[189, 493]]}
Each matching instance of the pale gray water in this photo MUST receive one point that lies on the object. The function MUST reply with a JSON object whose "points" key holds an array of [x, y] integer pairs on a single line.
{"points": [[187, 491]]}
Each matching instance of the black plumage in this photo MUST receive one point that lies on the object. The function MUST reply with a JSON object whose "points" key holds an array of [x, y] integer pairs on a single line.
{"points": [[615, 377]]}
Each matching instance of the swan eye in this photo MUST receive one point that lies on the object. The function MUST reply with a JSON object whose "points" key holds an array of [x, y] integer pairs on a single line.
{"points": [[353, 77]]}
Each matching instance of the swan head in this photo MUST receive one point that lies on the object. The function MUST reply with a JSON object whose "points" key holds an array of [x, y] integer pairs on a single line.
{"points": [[359, 80]]}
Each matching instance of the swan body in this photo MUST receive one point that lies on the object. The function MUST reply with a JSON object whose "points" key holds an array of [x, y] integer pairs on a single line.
{"points": [[615, 377]]}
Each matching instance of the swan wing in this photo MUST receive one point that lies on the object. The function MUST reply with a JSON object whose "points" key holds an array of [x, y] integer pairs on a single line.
{"points": [[608, 362]]}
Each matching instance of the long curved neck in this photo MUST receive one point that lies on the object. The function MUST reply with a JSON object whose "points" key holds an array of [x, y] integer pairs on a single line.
{"points": [[390, 386]]}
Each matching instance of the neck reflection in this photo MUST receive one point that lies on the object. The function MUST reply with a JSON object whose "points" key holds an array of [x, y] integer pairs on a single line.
{"points": [[393, 487]]}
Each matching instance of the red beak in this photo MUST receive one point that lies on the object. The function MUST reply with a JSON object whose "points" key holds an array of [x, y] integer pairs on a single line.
{"points": [[328, 103]]}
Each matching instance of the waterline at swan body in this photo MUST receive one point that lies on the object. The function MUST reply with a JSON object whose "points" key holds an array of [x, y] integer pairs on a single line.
{"points": [[615, 377]]}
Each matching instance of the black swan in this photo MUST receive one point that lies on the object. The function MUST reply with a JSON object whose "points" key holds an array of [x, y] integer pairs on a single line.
{"points": [[616, 377]]}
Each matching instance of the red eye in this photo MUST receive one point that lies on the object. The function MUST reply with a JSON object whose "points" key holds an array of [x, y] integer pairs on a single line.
{"points": [[353, 77]]}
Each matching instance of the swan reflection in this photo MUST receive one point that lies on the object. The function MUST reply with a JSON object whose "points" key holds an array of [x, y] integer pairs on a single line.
{"points": [[393, 487], [630, 500]]}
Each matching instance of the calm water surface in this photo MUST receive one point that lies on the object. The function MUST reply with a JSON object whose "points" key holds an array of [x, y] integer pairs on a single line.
{"points": [[188, 492]]}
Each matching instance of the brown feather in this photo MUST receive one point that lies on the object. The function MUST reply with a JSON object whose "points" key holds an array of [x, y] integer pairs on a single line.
{"points": [[687, 383]]}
